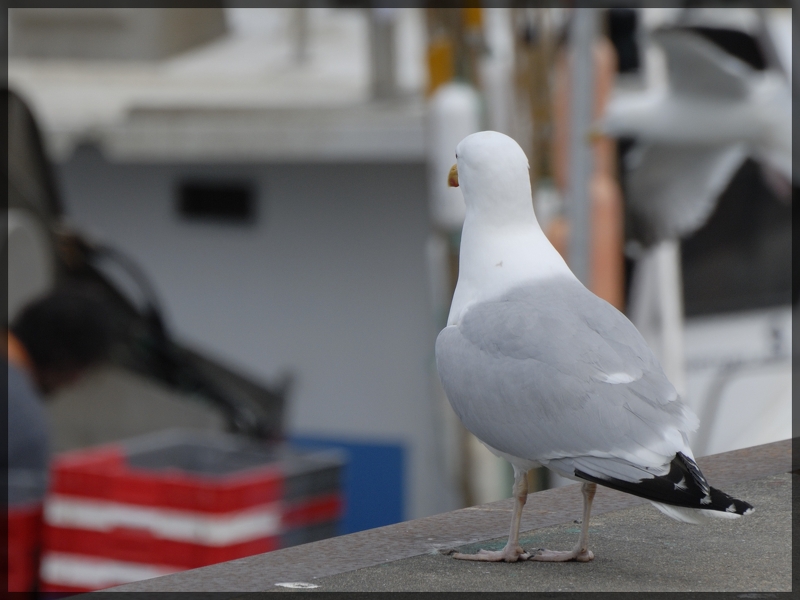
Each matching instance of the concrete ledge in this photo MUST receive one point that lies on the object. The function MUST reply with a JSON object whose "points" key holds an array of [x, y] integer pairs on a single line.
{"points": [[405, 556]]}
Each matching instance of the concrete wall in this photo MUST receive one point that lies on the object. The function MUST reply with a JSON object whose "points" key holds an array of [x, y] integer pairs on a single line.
{"points": [[330, 282]]}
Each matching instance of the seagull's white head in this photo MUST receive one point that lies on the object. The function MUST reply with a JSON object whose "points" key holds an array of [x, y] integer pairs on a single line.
{"points": [[492, 172], [502, 245]]}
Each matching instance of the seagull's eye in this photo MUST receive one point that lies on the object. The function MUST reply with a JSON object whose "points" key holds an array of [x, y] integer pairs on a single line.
{"points": [[456, 155]]}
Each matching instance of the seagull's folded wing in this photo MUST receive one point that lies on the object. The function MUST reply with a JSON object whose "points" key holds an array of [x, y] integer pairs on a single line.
{"points": [[551, 373]]}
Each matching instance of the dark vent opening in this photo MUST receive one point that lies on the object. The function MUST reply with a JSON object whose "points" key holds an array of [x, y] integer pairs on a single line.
{"points": [[738, 43], [741, 259], [230, 202], [622, 24]]}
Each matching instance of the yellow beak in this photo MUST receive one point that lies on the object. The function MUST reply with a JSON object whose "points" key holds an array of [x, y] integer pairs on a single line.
{"points": [[452, 177]]}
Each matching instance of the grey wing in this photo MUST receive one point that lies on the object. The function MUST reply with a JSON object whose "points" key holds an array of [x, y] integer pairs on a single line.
{"points": [[553, 374], [697, 67]]}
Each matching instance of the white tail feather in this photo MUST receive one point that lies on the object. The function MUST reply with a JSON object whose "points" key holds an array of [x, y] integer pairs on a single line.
{"points": [[695, 516]]}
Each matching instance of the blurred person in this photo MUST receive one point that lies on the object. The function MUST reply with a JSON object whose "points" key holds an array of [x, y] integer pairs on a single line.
{"points": [[52, 343]]}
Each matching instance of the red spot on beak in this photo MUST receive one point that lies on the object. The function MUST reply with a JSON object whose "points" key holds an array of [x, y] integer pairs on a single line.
{"points": [[452, 177]]}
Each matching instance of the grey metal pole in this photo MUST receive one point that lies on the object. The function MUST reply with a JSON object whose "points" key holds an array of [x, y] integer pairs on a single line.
{"points": [[382, 40], [581, 41], [301, 34]]}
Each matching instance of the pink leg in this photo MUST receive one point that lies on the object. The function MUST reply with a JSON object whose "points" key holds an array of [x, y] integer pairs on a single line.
{"points": [[581, 551], [512, 551]]}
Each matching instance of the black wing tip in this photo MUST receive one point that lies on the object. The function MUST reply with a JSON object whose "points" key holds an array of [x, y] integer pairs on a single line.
{"points": [[722, 502], [683, 486]]}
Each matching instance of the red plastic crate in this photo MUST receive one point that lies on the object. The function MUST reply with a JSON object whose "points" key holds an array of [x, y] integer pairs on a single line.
{"points": [[149, 506], [24, 542], [138, 546], [329, 507], [107, 475]]}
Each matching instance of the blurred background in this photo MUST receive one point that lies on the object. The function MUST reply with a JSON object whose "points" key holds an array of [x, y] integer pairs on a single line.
{"points": [[259, 195]]}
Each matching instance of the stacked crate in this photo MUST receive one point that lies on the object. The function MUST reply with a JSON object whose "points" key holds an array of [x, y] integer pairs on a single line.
{"points": [[180, 500], [24, 504]]}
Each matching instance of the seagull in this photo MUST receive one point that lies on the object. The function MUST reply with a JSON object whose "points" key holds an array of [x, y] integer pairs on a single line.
{"points": [[543, 372]]}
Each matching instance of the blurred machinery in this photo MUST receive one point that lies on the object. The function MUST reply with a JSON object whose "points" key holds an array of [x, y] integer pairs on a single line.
{"points": [[703, 118], [42, 252], [692, 132]]}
